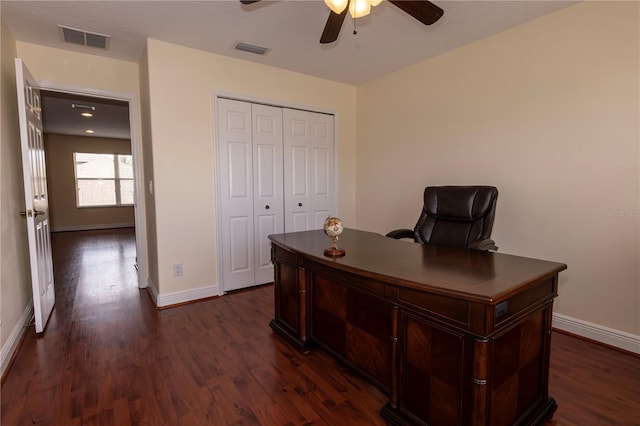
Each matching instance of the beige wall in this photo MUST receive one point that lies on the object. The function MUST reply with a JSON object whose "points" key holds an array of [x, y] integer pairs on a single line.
{"points": [[549, 113], [65, 215], [79, 70], [181, 81], [15, 278], [147, 152]]}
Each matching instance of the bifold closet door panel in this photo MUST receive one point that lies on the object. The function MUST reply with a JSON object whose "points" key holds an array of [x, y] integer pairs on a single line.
{"points": [[309, 178], [236, 193], [268, 175], [321, 141]]}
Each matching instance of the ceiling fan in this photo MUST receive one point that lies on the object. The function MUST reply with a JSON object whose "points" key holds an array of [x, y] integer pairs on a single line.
{"points": [[422, 10]]}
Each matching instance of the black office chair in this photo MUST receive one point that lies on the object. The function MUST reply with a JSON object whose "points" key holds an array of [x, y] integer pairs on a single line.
{"points": [[456, 216]]}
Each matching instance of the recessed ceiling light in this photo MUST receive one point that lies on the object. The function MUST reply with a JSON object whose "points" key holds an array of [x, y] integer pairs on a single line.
{"points": [[86, 114], [89, 131]]}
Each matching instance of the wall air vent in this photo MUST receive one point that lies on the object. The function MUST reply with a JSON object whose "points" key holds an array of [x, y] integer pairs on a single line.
{"points": [[85, 38], [251, 48]]}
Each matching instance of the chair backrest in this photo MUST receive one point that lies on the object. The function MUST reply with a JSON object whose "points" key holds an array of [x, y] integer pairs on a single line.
{"points": [[456, 215]]}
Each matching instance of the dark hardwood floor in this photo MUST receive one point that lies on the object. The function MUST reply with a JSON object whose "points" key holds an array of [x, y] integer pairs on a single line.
{"points": [[108, 357]]}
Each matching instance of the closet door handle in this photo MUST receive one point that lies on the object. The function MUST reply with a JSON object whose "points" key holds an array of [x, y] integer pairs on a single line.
{"points": [[299, 204], [267, 207]]}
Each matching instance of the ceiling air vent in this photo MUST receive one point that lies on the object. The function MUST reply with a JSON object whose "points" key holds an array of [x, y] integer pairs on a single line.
{"points": [[85, 38], [251, 48]]}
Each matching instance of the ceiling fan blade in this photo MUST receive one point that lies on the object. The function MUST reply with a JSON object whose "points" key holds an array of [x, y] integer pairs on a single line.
{"points": [[423, 10], [333, 26], [249, 1]]}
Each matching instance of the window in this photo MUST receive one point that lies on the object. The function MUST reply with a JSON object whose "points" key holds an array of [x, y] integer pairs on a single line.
{"points": [[103, 179]]}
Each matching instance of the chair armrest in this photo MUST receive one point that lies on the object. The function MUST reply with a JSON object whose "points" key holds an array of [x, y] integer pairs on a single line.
{"points": [[483, 245], [401, 233]]}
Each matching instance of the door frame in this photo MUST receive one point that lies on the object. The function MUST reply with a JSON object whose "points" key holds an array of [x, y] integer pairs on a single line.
{"points": [[215, 95], [136, 151]]}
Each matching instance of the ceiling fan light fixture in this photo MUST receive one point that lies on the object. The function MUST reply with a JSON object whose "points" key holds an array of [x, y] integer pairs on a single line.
{"points": [[374, 3], [359, 8], [337, 6]]}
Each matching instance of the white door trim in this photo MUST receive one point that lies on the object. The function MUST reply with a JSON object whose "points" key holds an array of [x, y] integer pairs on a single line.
{"points": [[215, 95], [136, 151]]}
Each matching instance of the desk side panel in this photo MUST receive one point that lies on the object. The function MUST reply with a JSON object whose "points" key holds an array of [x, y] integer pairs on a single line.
{"points": [[518, 378], [290, 299]]}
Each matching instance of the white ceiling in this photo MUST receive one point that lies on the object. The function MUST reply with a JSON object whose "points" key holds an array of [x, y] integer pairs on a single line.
{"points": [[386, 40]]}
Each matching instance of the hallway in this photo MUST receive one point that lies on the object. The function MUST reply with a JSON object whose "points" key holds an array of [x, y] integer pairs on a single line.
{"points": [[94, 277]]}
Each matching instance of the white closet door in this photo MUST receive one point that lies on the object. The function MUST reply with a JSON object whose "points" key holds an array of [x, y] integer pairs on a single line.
{"points": [[321, 141], [309, 169], [268, 196], [236, 193], [276, 174], [297, 174]]}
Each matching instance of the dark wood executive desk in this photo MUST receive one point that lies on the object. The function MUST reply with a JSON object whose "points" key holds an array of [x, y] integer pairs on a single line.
{"points": [[453, 336]]}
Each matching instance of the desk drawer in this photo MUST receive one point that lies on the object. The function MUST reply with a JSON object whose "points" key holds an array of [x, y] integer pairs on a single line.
{"points": [[516, 304], [453, 311]]}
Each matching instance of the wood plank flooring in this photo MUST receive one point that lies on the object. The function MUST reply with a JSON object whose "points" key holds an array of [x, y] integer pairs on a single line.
{"points": [[108, 357]]}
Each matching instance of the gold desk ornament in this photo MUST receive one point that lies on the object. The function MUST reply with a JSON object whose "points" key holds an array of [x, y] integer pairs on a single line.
{"points": [[333, 228]]}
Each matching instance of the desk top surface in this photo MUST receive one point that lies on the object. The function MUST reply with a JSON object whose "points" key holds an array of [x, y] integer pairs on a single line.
{"points": [[477, 275]]}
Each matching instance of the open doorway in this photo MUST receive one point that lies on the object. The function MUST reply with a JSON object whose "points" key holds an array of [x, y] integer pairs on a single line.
{"points": [[93, 173]]}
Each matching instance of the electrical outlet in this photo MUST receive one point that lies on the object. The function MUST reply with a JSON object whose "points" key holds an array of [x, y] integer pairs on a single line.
{"points": [[177, 269]]}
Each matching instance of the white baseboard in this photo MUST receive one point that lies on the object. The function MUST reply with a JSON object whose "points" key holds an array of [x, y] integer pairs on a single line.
{"points": [[619, 339], [177, 297], [13, 341], [153, 291], [163, 300], [92, 227]]}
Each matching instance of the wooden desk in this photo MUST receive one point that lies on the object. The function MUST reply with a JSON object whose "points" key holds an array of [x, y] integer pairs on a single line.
{"points": [[453, 336]]}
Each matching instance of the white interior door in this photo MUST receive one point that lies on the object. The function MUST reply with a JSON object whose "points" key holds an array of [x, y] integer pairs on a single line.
{"points": [[321, 141], [297, 178], [309, 169], [251, 193], [275, 174], [236, 193], [36, 195], [268, 200]]}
